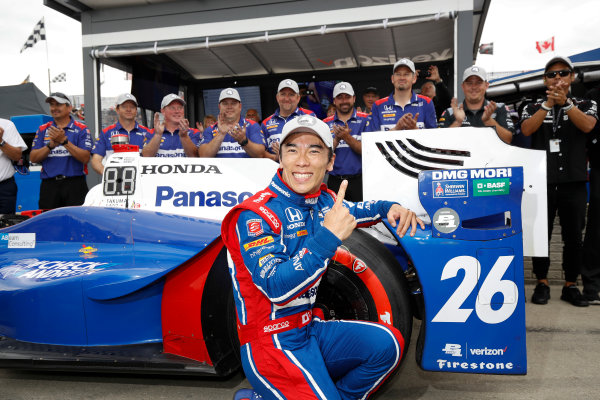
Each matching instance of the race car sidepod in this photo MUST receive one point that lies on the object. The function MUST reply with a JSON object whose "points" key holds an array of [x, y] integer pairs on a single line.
{"points": [[470, 266]]}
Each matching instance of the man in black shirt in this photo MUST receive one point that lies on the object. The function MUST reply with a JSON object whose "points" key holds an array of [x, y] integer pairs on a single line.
{"points": [[475, 110], [590, 274], [559, 125]]}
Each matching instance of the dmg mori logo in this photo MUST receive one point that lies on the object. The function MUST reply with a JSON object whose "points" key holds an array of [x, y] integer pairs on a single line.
{"points": [[293, 214]]}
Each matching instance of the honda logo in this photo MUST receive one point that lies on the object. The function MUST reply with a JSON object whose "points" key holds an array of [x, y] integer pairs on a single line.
{"points": [[293, 214]]}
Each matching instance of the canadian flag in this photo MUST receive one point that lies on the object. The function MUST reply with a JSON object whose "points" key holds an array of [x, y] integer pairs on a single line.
{"points": [[544, 46]]}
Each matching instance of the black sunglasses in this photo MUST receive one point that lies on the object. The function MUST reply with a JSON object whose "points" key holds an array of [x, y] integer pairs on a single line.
{"points": [[562, 73]]}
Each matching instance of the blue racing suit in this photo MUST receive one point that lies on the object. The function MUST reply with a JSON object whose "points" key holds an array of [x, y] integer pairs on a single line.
{"points": [[279, 251]]}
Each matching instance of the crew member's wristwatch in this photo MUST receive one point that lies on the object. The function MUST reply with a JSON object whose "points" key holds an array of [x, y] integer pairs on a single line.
{"points": [[65, 142], [2, 143], [243, 142]]}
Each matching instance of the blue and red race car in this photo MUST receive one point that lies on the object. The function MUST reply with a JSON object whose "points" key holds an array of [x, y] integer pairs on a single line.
{"points": [[137, 279]]}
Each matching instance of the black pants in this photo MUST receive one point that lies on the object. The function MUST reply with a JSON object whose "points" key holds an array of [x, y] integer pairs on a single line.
{"points": [[69, 191], [354, 192], [570, 200], [590, 273], [8, 196]]}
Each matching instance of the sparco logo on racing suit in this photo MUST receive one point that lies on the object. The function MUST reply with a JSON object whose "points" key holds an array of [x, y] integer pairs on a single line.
{"points": [[180, 169], [276, 327], [166, 194]]}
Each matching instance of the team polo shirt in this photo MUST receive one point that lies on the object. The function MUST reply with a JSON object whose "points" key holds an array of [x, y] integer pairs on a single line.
{"points": [[385, 113], [170, 143], [60, 161], [12, 137], [103, 146], [272, 126], [473, 117], [565, 161], [347, 162], [229, 147]]}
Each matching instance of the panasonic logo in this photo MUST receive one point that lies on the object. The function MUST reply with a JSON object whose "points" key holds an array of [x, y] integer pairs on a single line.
{"points": [[166, 194], [180, 169]]}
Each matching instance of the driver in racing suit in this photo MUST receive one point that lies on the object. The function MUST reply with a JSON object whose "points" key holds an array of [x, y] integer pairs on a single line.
{"points": [[280, 242]]}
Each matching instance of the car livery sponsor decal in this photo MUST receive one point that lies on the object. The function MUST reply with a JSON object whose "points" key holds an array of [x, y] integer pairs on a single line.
{"points": [[458, 188], [446, 220], [17, 240], [491, 187], [87, 251], [446, 365], [359, 266], [165, 169], [453, 174], [254, 227], [258, 242], [166, 194], [453, 349], [34, 268]]}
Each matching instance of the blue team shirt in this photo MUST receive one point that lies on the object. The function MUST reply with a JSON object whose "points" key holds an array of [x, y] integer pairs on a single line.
{"points": [[170, 143], [347, 162], [60, 161], [230, 147], [103, 146], [272, 126], [386, 113]]}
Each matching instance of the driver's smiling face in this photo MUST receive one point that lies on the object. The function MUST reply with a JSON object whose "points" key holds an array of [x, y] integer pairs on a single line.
{"points": [[304, 160]]}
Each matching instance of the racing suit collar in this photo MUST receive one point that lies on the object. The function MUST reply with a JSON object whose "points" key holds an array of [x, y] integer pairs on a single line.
{"points": [[279, 187]]}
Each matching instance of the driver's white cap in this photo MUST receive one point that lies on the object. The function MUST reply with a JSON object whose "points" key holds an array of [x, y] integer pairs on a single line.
{"points": [[308, 124]]}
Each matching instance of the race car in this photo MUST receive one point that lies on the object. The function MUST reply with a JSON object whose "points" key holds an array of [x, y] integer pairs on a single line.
{"points": [[137, 279]]}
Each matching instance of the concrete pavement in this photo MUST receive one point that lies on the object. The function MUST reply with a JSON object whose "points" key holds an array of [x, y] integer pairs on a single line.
{"points": [[563, 349]]}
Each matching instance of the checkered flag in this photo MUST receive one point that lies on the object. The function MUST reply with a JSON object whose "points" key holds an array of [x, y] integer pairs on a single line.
{"points": [[39, 33], [62, 77]]}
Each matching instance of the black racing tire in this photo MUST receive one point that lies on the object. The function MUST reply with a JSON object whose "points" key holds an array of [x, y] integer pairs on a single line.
{"points": [[345, 293]]}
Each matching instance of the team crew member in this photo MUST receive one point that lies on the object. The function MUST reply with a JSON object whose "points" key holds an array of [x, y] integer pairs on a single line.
{"points": [[63, 147], [435, 89], [347, 126], [232, 136], [403, 109], [559, 125], [126, 125], [288, 97], [280, 242], [173, 137], [12, 147], [475, 109], [590, 274], [370, 96]]}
